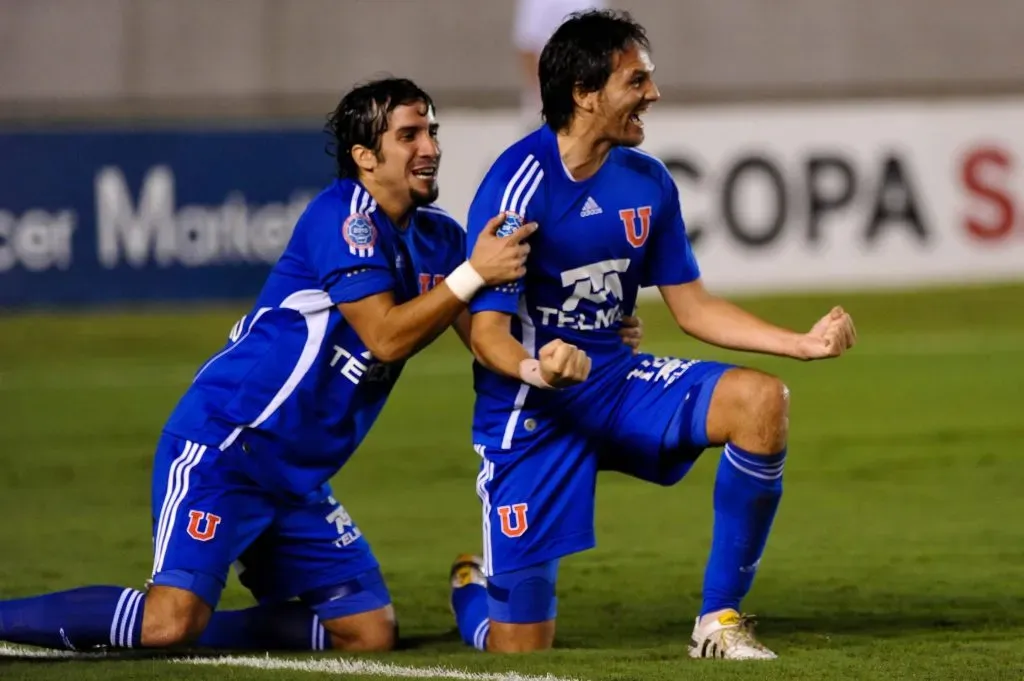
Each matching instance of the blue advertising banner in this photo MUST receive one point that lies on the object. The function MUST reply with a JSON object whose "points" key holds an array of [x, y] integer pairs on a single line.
{"points": [[107, 217]]}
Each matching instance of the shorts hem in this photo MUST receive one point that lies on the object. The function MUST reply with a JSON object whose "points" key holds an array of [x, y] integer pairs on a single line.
{"points": [[553, 550]]}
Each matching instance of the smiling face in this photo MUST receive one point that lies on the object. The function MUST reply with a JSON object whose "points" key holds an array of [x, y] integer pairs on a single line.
{"points": [[619, 106], [407, 161]]}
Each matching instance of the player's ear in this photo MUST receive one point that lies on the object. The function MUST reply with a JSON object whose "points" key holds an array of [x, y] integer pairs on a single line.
{"points": [[584, 100], [364, 157]]}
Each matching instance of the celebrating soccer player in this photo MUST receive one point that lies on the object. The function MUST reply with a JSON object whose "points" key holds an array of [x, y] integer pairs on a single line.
{"points": [[559, 398], [372, 274]]}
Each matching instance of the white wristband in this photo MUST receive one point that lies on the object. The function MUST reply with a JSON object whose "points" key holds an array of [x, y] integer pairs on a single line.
{"points": [[529, 371], [464, 282]]}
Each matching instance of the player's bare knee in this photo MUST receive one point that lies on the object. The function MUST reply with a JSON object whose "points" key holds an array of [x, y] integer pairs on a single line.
{"points": [[169, 633], [173, 617], [520, 638], [373, 632], [767, 402], [751, 409]]}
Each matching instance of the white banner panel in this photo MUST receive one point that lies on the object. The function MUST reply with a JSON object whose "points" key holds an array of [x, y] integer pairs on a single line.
{"points": [[803, 196]]}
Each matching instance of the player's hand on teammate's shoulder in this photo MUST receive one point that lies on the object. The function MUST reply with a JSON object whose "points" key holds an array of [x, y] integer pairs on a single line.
{"points": [[562, 364], [498, 258], [833, 335], [632, 332]]}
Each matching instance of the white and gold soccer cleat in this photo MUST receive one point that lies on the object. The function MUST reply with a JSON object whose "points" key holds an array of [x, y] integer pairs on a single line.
{"points": [[730, 636], [467, 569]]}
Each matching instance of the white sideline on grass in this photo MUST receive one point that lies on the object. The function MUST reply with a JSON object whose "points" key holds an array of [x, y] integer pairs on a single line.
{"points": [[337, 665], [323, 665]]}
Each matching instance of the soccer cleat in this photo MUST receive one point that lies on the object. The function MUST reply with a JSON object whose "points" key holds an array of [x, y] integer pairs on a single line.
{"points": [[467, 569], [730, 636]]}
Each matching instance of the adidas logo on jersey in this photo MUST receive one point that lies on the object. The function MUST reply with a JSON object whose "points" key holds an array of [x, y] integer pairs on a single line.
{"points": [[590, 207]]}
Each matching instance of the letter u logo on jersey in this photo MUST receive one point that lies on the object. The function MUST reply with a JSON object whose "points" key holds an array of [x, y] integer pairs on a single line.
{"points": [[202, 526], [636, 234], [513, 520]]}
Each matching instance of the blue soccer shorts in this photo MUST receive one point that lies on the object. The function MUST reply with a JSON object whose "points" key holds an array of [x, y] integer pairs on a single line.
{"points": [[208, 516], [648, 420]]}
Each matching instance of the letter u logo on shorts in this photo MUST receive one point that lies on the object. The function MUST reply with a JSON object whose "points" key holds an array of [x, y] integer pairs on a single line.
{"points": [[513, 520], [202, 526]]}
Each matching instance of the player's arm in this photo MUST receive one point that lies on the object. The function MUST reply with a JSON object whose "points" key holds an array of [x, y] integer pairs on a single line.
{"points": [[360, 281], [394, 332], [463, 329], [672, 267], [557, 365], [719, 322]]}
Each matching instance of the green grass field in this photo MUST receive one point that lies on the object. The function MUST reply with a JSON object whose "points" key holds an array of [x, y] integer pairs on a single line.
{"points": [[898, 551]]}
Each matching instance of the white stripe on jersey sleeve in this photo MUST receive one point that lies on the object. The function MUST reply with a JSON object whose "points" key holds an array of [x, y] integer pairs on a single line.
{"points": [[314, 305]]}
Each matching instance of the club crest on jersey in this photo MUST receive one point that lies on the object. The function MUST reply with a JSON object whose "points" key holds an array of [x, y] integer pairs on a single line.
{"points": [[360, 234], [513, 221]]}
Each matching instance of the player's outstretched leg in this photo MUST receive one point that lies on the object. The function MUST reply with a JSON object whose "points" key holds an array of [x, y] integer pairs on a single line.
{"points": [[469, 600], [749, 412], [94, 617], [79, 619]]}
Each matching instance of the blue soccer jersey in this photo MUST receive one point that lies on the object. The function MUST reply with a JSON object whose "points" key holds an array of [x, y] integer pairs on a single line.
{"points": [[294, 385], [599, 240]]}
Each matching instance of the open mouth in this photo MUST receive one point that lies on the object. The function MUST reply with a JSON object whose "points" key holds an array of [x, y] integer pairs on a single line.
{"points": [[635, 118], [426, 173]]}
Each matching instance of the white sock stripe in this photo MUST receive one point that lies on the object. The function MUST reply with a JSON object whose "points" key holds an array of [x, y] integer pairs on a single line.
{"points": [[117, 615], [186, 471], [756, 463], [754, 474], [122, 634], [481, 629], [169, 495], [480, 642], [131, 623], [314, 638]]}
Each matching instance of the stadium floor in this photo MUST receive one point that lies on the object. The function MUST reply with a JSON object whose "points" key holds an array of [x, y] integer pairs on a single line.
{"points": [[897, 552]]}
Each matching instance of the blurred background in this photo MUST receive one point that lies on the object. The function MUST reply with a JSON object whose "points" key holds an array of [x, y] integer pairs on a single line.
{"points": [[815, 142], [155, 154]]}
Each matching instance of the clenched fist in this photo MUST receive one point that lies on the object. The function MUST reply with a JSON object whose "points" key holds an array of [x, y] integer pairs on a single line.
{"points": [[833, 335], [563, 365], [632, 332], [501, 259]]}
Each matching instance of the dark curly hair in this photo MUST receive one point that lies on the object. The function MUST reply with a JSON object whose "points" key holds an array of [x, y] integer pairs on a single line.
{"points": [[579, 55], [361, 118]]}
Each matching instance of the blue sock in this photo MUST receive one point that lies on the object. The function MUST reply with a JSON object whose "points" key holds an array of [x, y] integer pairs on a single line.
{"points": [[79, 619], [470, 605], [283, 626], [747, 492]]}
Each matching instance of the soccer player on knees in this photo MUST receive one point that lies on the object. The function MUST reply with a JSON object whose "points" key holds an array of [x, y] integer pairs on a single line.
{"points": [[372, 274], [610, 222]]}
